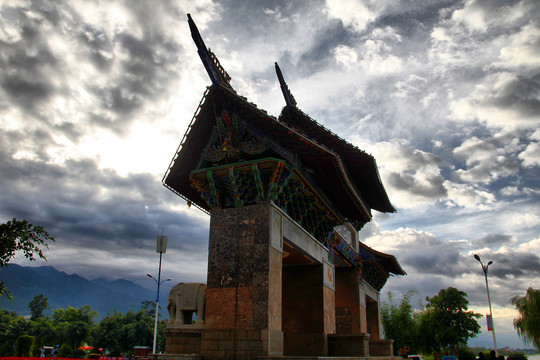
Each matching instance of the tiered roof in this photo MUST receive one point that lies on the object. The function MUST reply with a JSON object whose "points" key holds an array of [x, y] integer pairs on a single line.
{"points": [[338, 181]]}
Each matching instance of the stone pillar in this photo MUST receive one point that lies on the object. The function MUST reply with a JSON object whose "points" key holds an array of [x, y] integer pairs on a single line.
{"points": [[373, 319], [347, 301], [243, 298], [363, 311], [308, 309]]}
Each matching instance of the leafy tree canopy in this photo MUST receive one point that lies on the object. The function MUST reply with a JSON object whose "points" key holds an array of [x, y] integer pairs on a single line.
{"points": [[116, 334], [448, 318], [73, 324], [398, 322], [37, 305], [528, 322], [22, 236]]}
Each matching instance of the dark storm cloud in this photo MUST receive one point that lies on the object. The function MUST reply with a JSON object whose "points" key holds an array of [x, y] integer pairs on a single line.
{"points": [[509, 275], [493, 240], [412, 20], [138, 68], [249, 24], [424, 253], [432, 263], [512, 265], [13, 141], [522, 94], [330, 36], [433, 189], [98, 45], [87, 207], [26, 62], [250, 17], [26, 92], [429, 185]]}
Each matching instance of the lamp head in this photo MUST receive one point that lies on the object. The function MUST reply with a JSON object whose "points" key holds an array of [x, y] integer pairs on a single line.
{"points": [[489, 263], [149, 275], [477, 257]]}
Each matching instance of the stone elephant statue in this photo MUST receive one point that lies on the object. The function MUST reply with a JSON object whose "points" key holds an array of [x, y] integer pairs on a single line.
{"points": [[184, 300]]}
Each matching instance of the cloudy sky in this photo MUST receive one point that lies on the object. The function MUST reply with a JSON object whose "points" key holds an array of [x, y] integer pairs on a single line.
{"points": [[96, 95]]}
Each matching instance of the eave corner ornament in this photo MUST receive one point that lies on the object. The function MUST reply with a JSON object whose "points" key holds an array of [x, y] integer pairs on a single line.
{"points": [[233, 140]]}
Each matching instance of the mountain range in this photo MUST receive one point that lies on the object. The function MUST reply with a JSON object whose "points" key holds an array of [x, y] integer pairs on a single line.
{"points": [[63, 290]]}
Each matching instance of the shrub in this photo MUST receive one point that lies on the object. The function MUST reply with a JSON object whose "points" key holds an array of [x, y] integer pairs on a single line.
{"points": [[65, 350], [516, 356], [78, 354], [6, 349], [23, 345], [465, 354]]}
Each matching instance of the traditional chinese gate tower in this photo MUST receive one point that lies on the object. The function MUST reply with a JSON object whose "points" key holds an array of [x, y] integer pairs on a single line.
{"points": [[286, 273]]}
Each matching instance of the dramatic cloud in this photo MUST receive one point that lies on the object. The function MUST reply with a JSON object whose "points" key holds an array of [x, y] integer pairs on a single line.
{"points": [[95, 97], [487, 160]]}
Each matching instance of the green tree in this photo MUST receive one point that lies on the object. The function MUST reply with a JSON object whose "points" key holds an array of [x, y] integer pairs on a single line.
{"points": [[105, 334], [37, 305], [427, 342], [65, 350], [22, 236], [23, 345], [449, 319], [149, 307], [16, 327], [44, 332], [528, 322], [6, 341], [74, 325], [138, 330], [119, 333], [160, 340], [399, 323], [464, 353]]}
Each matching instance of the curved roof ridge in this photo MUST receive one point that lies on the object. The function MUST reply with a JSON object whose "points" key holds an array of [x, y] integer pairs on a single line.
{"points": [[398, 270]]}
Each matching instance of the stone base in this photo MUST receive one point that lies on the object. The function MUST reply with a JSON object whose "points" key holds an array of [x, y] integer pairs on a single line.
{"points": [[348, 345], [177, 325], [182, 341], [175, 357], [241, 344], [381, 347], [329, 358], [305, 344]]}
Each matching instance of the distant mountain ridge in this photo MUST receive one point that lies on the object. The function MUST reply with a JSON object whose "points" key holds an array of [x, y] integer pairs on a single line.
{"points": [[63, 290]]}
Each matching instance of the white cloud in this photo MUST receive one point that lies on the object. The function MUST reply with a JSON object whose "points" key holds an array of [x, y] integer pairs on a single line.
{"points": [[346, 56], [468, 196], [376, 58], [413, 85], [510, 191], [531, 155], [472, 15], [530, 246], [412, 177], [352, 13], [524, 220], [522, 49], [502, 100], [487, 160], [386, 33]]}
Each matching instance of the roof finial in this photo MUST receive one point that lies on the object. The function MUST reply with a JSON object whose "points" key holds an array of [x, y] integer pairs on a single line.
{"points": [[289, 98], [217, 74]]}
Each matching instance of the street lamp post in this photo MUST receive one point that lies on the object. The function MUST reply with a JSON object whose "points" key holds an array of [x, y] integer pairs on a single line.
{"points": [[485, 270], [161, 247]]}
